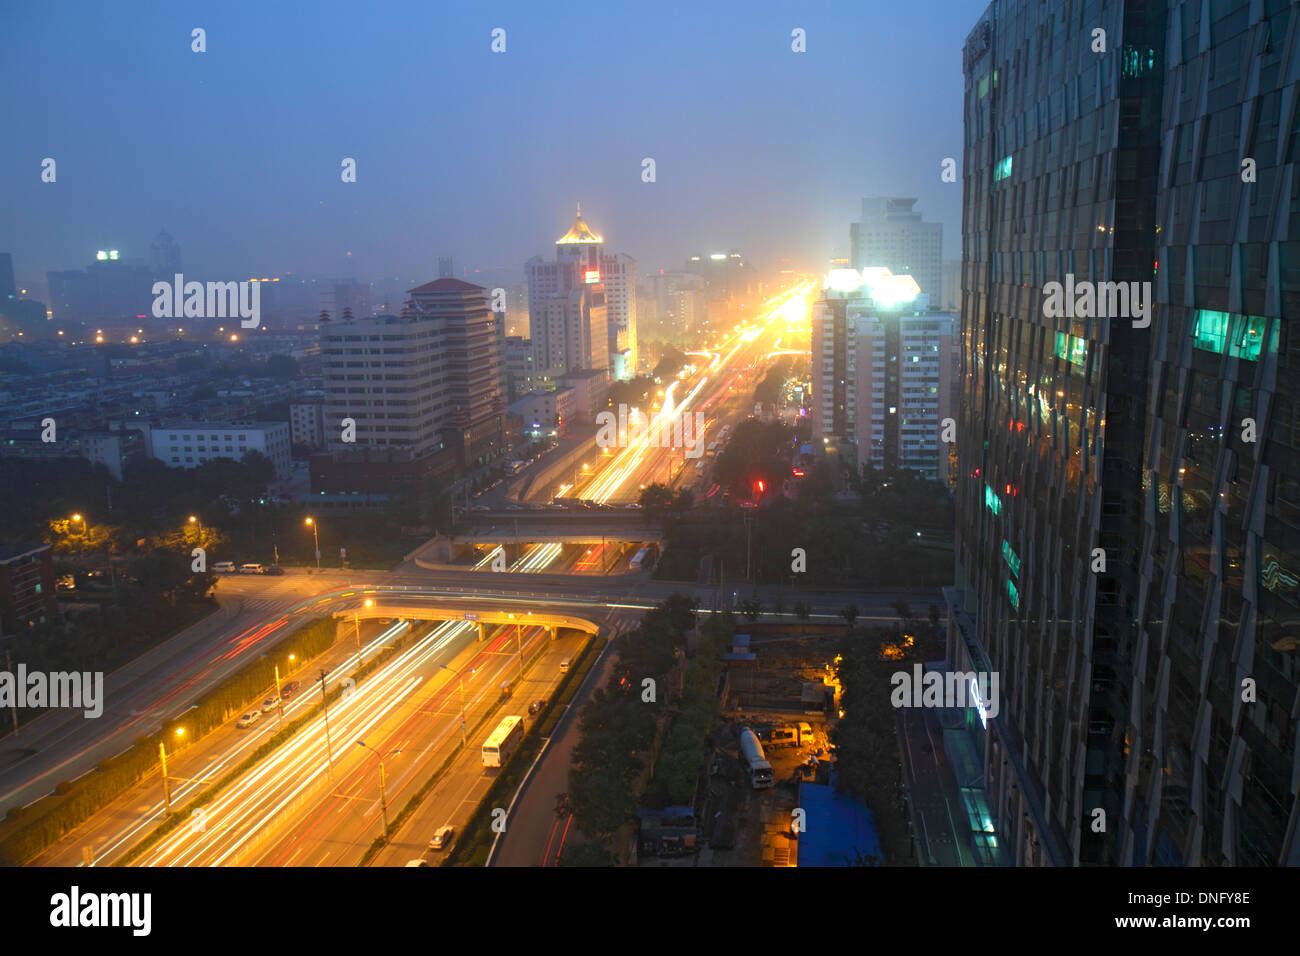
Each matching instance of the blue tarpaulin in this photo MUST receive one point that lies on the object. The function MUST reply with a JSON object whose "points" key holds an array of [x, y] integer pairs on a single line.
{"points": [[837, 826]]}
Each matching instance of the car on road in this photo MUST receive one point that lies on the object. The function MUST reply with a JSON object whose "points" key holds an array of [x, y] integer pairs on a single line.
{"points": [[252, 568], [273, 569], [250, 718], [224, 567], [442, 837], [564, 666], [536, 706], [417, 862], [480, 508], [270, 704], [289, 689]]}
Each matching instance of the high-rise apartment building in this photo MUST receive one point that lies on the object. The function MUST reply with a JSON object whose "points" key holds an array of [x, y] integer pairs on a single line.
{"points": [[883, 370], [618, 272], [892, 235], [1128, 493]]}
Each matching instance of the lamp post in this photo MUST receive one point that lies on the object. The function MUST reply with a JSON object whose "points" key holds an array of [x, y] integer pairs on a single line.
{"points": [[162, 755], [464, 733], [315, 538], [356, 620], [325, 704], [383, 793], [520, 645], [195, 520]]}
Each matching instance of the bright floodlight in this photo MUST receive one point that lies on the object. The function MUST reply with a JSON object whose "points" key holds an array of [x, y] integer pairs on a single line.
{"points": [[844, 280]]}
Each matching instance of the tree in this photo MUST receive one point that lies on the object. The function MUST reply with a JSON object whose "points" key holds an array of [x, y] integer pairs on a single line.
{"points": [[655, 499], [850, 614], [904, 610], [750, 609], [282, 366]]}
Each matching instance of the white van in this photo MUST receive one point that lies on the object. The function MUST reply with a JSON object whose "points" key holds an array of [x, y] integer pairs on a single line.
{"points": [[224, 567], [252, 569]]}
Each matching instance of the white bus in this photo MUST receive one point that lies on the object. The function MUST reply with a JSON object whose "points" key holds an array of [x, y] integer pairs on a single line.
{"points": [[645, 558], [498, 747]]}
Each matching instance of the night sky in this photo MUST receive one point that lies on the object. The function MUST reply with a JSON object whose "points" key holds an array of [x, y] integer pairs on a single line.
{"points": [[461, 151]]}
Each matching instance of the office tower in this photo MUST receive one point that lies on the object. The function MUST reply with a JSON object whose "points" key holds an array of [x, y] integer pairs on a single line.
{"points": [[385, 374], [471, 358], [618, 272], [8, 288], [111, 287], [1126, 490], [445, 268], [165, 256], [891, 234], [883, 371], [567, 313], [726, 275]]}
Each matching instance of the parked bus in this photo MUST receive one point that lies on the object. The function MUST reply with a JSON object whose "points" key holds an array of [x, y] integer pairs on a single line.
{"points": [[498, 747], [643, 559]]}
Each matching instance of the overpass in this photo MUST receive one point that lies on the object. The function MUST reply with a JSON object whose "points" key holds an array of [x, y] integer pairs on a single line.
{"points": [[407, 611]]}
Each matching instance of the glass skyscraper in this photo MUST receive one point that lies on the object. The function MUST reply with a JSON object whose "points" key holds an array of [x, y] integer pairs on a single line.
{"points": [[1128, 487]]}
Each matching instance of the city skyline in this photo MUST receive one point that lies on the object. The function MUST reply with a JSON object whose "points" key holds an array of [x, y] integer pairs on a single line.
{"points": [[242, 165]]}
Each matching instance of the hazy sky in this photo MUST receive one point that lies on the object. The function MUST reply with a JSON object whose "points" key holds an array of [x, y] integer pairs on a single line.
{"points": [[462, 151]]}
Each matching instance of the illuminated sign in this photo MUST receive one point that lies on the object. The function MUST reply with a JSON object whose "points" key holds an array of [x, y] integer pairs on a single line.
{"points": [[979, 701], [592, 276]]}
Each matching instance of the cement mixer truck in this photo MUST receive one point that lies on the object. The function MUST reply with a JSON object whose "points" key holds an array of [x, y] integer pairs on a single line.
{"points": [[751, 754]]}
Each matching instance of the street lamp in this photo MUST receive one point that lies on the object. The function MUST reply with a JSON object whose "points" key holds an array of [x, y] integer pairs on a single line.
{"points": [[520, 645], [325, 705], [357, 621], [85, 527], [316, 538], [464, 739], [383, 792], [195, 521]]}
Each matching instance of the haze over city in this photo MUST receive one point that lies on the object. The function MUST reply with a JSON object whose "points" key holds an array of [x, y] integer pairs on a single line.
{"points": [[856, 436]]}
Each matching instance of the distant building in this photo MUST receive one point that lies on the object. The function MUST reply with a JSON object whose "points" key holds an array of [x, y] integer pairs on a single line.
{"points": [[8, 288], [568, 315], [892, 235], [350, 296], [590, 393], [520, 379], [545, 412], [418, 383], [883, 371], [618, 272], [191, 444], [165, 256], [27, 595], [111, 287], [307, 424]]}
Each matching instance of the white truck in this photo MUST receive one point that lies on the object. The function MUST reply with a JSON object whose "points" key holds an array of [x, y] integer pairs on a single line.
{"points": [[751, 752]]}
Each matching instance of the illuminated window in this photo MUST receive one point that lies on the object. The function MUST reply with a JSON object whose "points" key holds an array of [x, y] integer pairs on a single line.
{"points": [[1014, 595], [1011, 558], [991, 500], [1002, 170]]}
